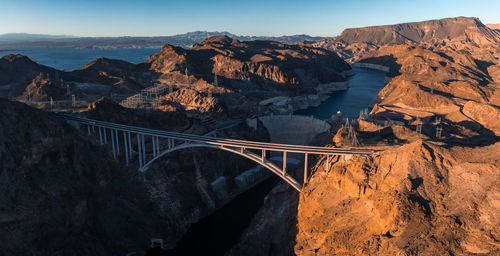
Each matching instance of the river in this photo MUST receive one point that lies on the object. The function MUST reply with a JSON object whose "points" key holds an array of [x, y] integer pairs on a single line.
{"points": [[363, 87]]}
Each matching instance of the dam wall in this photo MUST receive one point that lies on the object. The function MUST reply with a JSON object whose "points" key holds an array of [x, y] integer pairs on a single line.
{"points": [[291, 129], [371, 66]]}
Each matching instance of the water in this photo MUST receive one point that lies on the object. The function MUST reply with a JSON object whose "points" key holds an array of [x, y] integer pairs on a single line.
{"points": [[217, 233], [364, 86], [69, 59]]}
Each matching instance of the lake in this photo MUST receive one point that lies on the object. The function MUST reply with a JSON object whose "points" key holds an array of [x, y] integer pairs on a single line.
{"points": [[69, 59]]}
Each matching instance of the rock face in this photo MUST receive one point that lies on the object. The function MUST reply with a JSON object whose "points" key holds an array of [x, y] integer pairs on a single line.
{"points": [[418, 199], [425, 193], [22, 78], [255, 61], [425, 78], [111, 72], [487, 115], [192, 101], [56, 181], [56, 184], [456, 34], [494, 26]]}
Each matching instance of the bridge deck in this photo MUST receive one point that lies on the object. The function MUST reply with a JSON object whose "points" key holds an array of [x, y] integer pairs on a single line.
{"points": [[221, 141]]}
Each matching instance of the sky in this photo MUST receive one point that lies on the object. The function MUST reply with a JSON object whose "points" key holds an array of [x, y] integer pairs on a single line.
{"points": [[257, 17]]}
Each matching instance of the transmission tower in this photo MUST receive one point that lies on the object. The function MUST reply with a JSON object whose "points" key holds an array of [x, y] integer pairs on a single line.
{"points": [[352, 135], [439, 131]]}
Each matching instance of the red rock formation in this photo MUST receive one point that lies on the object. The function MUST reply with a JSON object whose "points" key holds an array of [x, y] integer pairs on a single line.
{"points": [[255, 61], [418, 199], [494, 26], [429, 79], [456, 34]]}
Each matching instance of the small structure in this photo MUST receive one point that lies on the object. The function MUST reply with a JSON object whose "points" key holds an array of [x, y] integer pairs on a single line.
{"points": [[156, 242]]}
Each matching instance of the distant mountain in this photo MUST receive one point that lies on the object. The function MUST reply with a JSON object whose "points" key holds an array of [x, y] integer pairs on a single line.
{"points": [[19, 37], [182, 40], [457, 34]]}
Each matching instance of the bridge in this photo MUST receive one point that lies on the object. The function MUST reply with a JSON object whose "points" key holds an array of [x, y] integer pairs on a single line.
{"points": [[160, 143]]}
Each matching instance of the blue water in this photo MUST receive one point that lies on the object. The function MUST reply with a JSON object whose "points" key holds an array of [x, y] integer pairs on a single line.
{"points": [[364, 86], [69, 59]]}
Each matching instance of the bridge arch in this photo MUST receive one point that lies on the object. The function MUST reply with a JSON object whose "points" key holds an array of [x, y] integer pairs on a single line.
{"points": [[239, 151]]}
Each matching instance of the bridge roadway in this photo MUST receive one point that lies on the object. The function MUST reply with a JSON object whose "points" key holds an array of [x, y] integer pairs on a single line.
{"points": [[190, 140]]}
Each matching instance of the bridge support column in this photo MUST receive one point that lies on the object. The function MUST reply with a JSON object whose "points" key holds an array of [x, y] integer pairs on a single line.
{"points": [[153, 139], [125, 147], [284, 163], [139, 144], [113, 142], [157, 145], [117, 143], [105, 136], [263, 156], [100, 135], [305, 167], [88, 129], [143, 149], [129, 145]]}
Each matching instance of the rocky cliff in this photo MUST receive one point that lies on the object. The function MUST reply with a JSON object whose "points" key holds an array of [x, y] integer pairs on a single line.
{"points": [[257, 62], [117, 73], [426, 78], [432, 192], [23, 78], [456, 34], [417, 199], [57, 182], [62, 195], [494, 26]]}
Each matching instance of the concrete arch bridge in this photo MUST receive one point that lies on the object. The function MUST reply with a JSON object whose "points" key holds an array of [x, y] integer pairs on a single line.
{"points": [[122, 137]]}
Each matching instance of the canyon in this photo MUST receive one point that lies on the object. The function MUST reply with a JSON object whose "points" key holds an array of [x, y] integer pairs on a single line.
{"points": [[431, 188]]}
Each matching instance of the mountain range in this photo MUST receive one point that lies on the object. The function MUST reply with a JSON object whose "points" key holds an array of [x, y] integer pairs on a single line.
{"points": [[21, 40]]}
